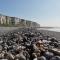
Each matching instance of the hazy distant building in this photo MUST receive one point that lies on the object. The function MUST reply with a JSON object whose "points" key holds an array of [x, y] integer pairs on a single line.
{"points": [[28, 23], [14, 21], [0, 18], [23, 22], [3, 19], [17, 20], [8, 20], [34, 24]]}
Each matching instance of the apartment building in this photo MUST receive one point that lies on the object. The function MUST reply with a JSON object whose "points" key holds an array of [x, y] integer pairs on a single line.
{"points": [[14, 21], [8, 20], [17, 20], [2, 19]]}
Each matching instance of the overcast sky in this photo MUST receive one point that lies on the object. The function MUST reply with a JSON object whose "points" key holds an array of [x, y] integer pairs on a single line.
{"points": [[45, 12]]}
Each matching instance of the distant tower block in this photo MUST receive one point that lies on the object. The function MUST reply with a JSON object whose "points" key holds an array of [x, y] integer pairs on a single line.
{"points": [[3, 19], [17, 20], [8, 20]]}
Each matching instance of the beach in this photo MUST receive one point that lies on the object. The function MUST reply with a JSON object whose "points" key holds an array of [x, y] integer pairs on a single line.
{"points": [[7, 29], [26, 43], [51, 33], [45, 32]]}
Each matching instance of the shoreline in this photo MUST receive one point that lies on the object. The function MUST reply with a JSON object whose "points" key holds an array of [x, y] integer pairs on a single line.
{"points": [[51, 33], [45, 32]]}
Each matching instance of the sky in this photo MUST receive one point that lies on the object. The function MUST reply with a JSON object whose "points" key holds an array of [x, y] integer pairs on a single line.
{"points": [[44, 12]]}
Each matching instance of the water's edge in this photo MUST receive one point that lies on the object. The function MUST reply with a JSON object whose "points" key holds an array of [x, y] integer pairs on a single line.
{"points": [[44, 31]]}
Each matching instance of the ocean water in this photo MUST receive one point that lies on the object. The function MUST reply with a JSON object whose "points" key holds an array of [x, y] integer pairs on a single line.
{"points": [[55, 29], [6, 29], [51, 29]]}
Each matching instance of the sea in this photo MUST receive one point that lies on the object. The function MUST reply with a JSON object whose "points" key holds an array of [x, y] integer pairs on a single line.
{"points": [[6, 29], [51, 29]]}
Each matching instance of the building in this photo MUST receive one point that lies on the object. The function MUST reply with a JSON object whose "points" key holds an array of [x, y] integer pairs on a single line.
{"points": [[28, 23], [23, 22], [2, 19], [8, 20], [17, 20], [14, 21]]}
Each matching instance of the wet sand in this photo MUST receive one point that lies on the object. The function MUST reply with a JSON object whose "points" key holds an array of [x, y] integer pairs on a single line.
{"points": [[51, 33]]}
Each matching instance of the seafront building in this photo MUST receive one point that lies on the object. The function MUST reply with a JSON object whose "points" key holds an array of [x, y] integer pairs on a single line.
{"points": [[14, 21], [8, 20], [3, 19], [17, 20], [28, 23], [23, 23]]}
